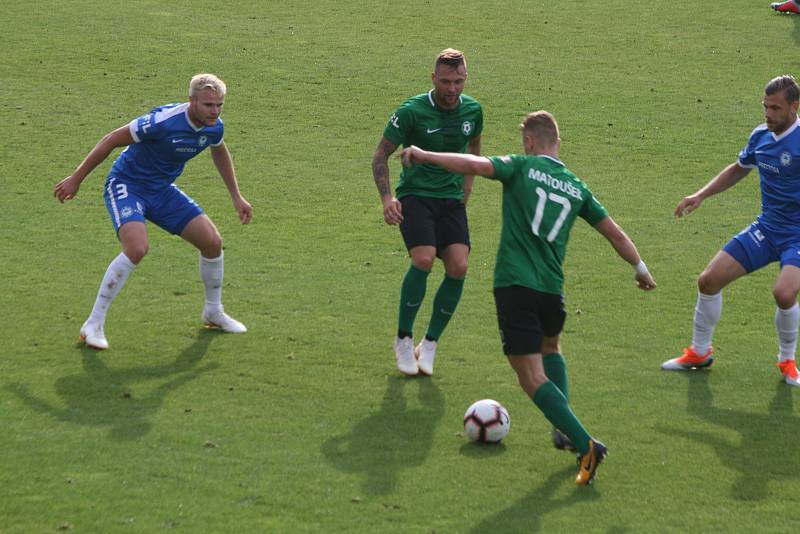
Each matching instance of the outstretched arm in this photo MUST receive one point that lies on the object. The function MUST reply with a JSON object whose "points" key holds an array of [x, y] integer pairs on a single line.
{"points": [[627, 251], [466, 164], [392, 209], [474, 148], [67, 188], [224, 163], [729, 177]]}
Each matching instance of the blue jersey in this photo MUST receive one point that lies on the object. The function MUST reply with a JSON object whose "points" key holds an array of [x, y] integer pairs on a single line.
{"points": [[778, 161], [165, 139]]}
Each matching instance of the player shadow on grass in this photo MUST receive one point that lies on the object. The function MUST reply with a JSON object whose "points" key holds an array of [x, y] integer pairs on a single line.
{"points": [[759, 454], [383, 444], [105, 397], [525, 515]]}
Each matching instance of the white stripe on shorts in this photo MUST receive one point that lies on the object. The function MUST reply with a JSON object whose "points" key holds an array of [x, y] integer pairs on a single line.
{"points": [[113, 202]]}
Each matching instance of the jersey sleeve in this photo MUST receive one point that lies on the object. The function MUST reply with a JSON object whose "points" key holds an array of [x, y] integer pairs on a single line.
{"points": [[144, 128], [399, 126], [504, 167], [220, 133], [478, 123], [747, 156], [592, 210]]}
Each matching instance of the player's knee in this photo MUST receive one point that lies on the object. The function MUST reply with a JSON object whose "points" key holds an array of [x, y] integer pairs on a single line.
{"points": [[214, 247], [707, 285], [784, 298], [457, 269], [423, 261], [136, 251]]}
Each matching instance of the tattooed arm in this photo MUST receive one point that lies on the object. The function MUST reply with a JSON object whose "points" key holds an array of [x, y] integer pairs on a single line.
{"points": [[392, 210]]}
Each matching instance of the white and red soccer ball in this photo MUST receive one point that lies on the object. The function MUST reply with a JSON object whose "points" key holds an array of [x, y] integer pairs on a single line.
{"points": [[486, 421]]}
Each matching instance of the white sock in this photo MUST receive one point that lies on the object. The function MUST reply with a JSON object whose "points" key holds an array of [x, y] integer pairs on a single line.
{"points": [[786, 322], [706, 315], [115, 277], [211, 271]]}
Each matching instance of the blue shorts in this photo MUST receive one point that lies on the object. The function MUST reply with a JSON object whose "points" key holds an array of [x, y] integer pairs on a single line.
{"points": [[170, 208], [754, 248]]}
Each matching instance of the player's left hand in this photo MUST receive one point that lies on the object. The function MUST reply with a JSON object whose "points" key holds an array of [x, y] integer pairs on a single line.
{"points": [[645, 281], [244, 209]]}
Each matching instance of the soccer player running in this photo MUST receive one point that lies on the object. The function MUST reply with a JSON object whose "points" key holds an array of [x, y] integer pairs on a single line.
{"points": [[541, 201], [430, 202], [140, 187], [773, 147]]}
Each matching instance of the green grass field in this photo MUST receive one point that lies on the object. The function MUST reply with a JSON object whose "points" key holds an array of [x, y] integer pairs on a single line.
{"points": [[303, 424]]}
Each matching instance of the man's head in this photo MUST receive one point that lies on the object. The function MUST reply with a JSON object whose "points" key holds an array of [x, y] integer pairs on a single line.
{"points": [[206, 98], [540, 133], [449, 76], [781, 100]]}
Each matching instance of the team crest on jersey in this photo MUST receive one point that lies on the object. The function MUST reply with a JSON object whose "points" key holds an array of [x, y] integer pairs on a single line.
{"points": [[786, 159], [202, 140], [126, 212], [466, 127]]}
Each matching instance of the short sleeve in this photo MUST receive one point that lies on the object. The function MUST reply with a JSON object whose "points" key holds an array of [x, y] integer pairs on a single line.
{"points": [[747, 156], [504, 167], [478, 123], [400, 124], [592, 210], [144, 128]]}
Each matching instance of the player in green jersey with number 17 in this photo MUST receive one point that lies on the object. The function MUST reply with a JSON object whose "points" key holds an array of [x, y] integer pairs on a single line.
{"points": [[430, 202], [541, 200]]}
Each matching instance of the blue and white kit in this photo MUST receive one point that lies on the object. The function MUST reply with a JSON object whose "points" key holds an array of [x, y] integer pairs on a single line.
{"points": [[775, 234], [140, 184]]}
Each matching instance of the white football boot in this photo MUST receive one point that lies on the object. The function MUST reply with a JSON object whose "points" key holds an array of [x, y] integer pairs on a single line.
{"points": [[425, 353], [92, 334], [404, 354], [223, 321]]}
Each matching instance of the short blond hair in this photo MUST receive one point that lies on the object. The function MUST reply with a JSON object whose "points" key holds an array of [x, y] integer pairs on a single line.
{"points": [[451, 57], [542, 126], [203, 81]]}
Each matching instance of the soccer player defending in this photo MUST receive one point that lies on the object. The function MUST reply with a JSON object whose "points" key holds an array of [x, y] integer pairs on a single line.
{"points": [[430, 202], [774, 148], [541, 200], [140, 187]]}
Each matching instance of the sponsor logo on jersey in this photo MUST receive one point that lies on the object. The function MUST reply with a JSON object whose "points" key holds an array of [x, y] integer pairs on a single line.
{"points": [[394, 120], [139, 208], [467, 127], [434, 130], [767, 167], [786, 159], [202, 141]]}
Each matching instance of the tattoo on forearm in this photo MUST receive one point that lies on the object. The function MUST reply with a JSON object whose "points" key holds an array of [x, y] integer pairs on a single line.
{"points": [[380, 167]]}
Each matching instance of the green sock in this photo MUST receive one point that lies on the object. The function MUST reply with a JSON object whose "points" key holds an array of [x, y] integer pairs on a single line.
{"points": [[444, 305], [412, 292], [555, 407], [555, 367]]}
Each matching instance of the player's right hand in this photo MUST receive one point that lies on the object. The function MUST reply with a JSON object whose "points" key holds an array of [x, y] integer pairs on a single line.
{"points": [[688, 205], [645, 281], [392, 211], [66, 189]]}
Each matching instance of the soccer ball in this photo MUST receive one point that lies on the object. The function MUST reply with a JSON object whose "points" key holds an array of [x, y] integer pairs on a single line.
{"points": [[486, 421]]}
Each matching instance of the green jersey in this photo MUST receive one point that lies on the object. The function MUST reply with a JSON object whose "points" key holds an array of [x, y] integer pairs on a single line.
{"points": [[419, 121], [541, 200]]}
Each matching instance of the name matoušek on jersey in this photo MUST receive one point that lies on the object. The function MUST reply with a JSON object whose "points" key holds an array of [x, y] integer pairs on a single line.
{"points": [[554, 183]]}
